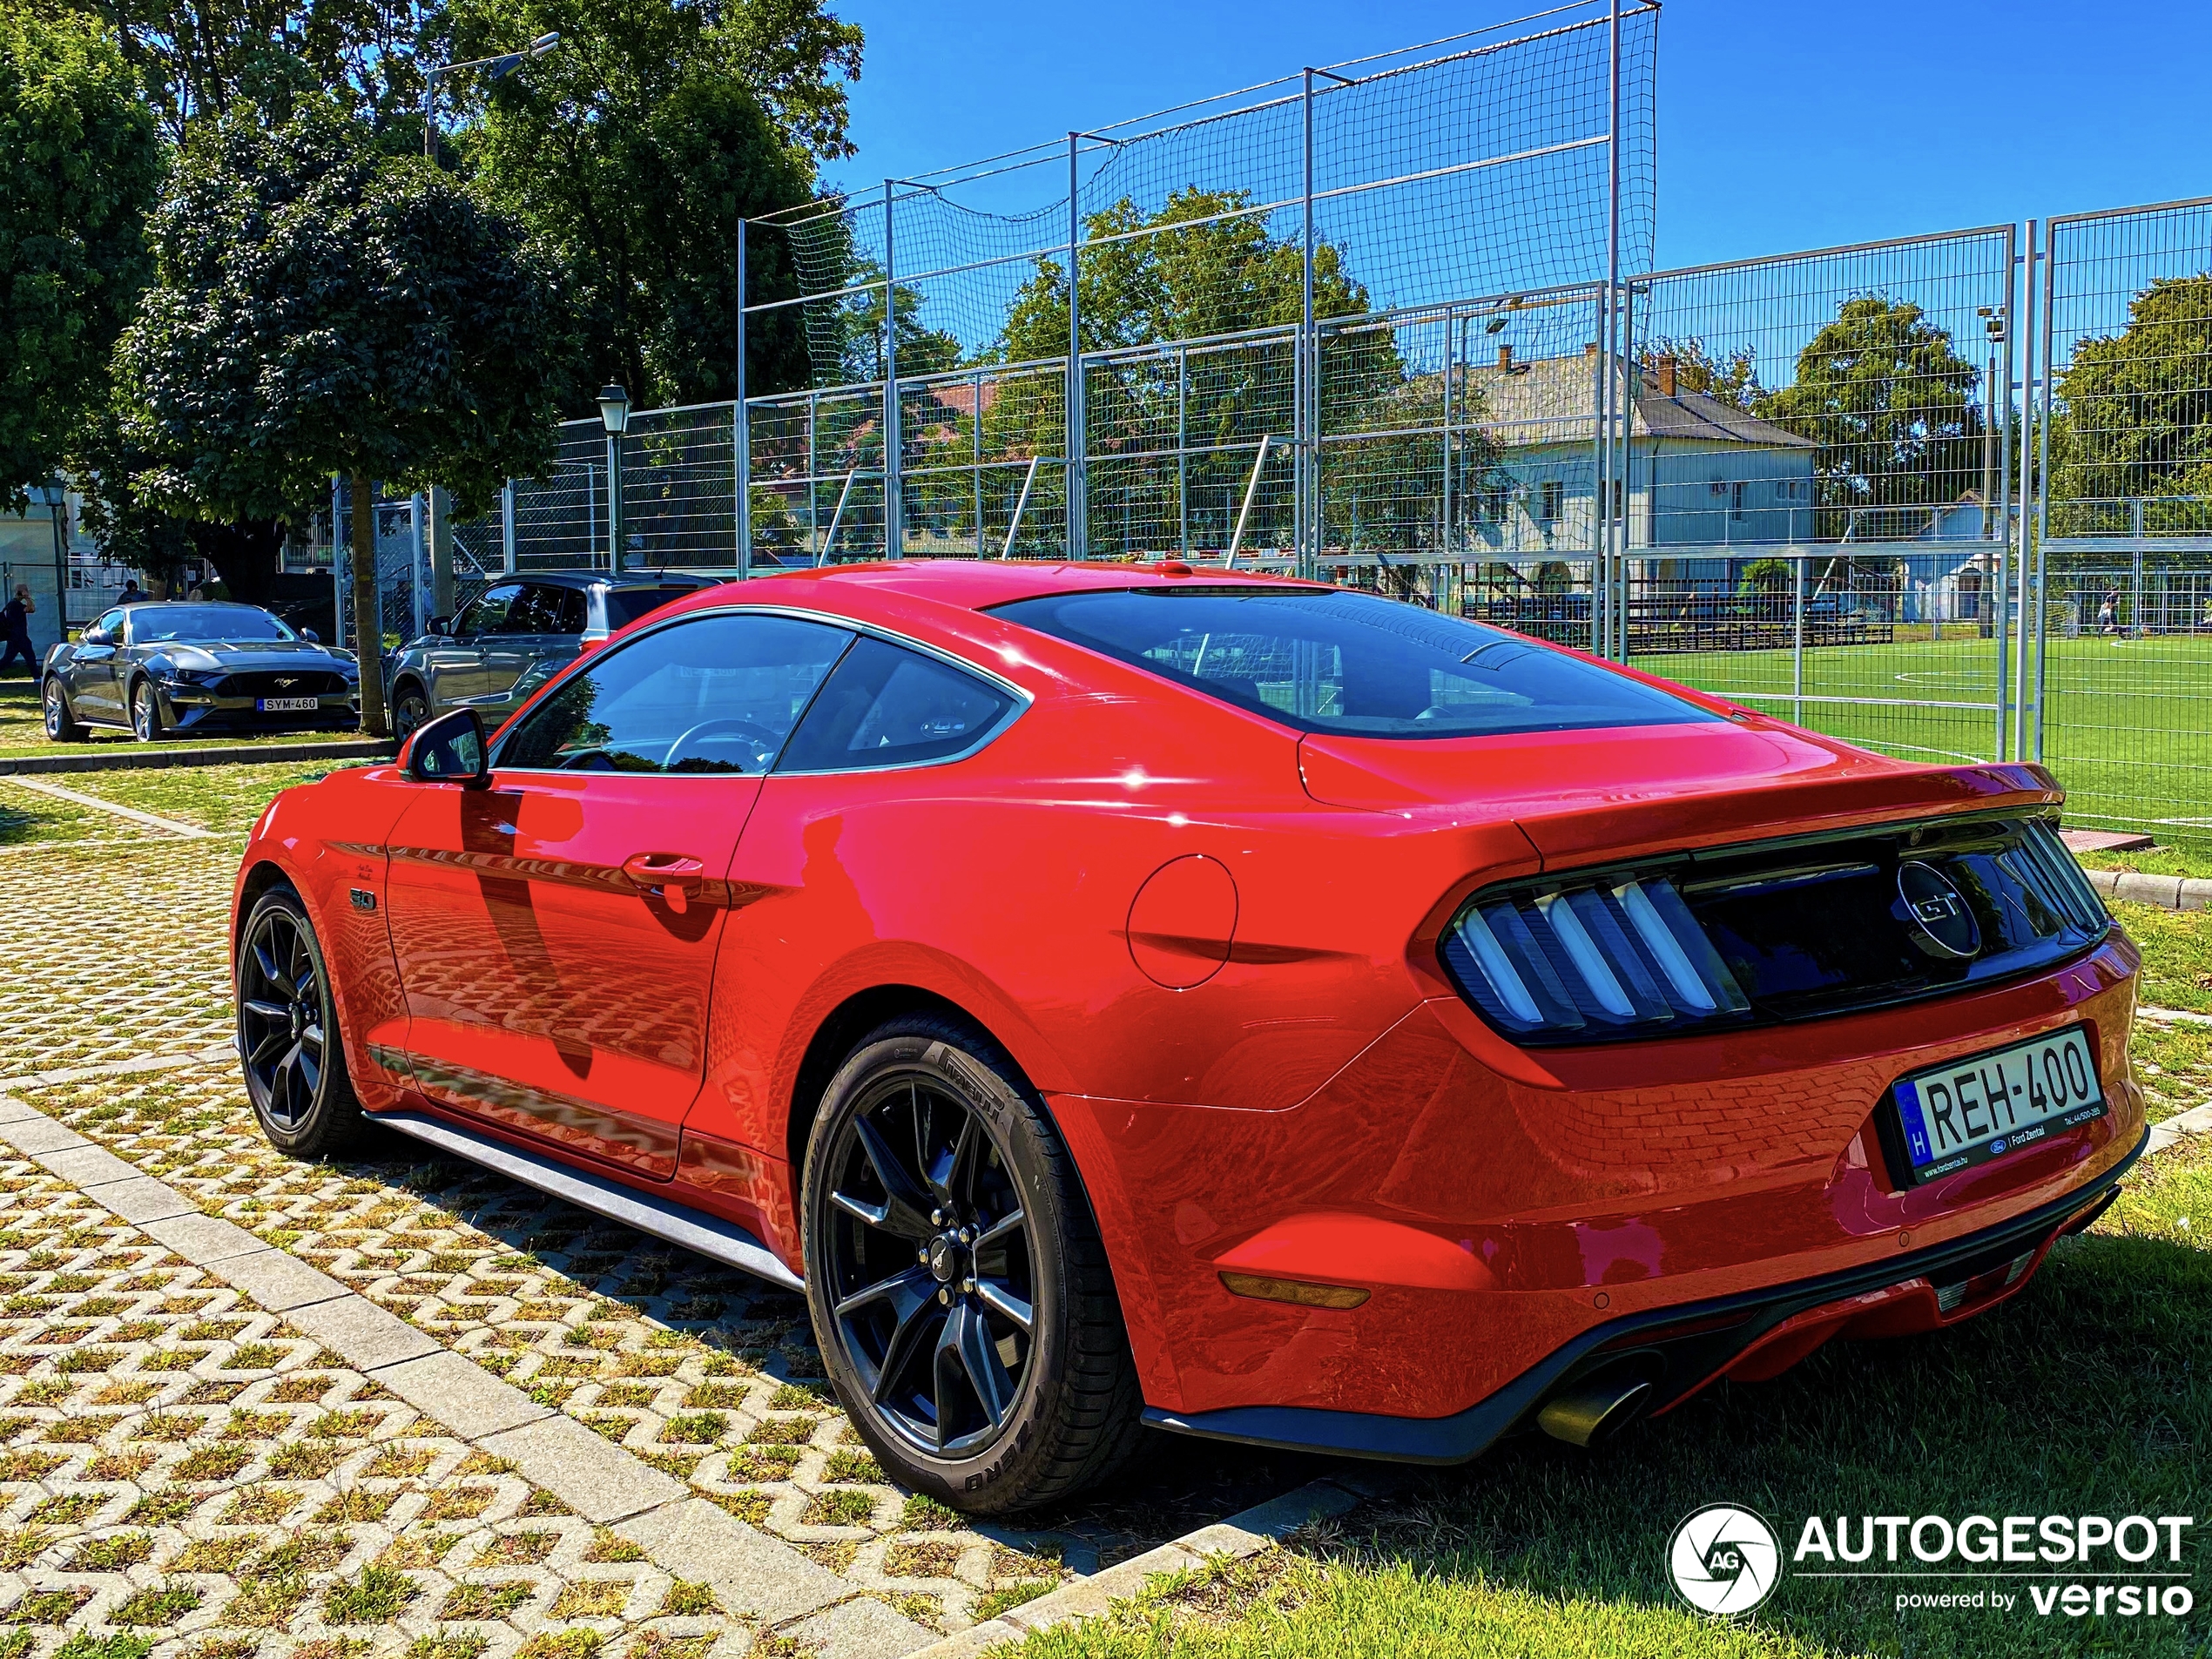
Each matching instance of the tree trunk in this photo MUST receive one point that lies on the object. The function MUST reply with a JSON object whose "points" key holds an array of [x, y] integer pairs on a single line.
{"points": [[368, 620], [244, 555]]}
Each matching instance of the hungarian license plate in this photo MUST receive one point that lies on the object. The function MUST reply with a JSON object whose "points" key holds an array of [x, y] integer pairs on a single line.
{"points": [[1953, 1116], [288, 705]]}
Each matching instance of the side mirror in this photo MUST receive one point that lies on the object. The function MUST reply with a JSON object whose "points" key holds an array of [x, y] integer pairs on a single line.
{"points": [[311, 636], [442, 626], [450, 749]]}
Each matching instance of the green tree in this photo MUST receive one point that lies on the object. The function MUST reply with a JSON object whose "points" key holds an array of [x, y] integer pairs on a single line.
{"points": [[637, 148], [196, 58], [1893, 406], [1731, 377], [79, 165], [1201, 266], [2137, 420], [321, 308]]}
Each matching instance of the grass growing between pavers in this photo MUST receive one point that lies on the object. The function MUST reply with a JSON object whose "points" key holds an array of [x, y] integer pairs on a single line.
{"points": [[184, 1475], [2090, 1393], [217, 797]]}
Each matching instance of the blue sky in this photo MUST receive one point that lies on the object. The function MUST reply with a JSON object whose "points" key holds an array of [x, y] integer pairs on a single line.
{"points": [[1782, 125]]}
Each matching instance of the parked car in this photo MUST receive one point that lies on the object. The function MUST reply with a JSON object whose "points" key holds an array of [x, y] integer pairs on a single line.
{"points": [[1251, 1007], [512, 637], [163, 667]]}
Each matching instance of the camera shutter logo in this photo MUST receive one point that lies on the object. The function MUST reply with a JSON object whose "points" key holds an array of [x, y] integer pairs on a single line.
{"points": [[1724, 1559]]}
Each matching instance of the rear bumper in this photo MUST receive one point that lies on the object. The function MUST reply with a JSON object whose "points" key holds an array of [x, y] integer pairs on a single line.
{"points": [[1681, 1349]]}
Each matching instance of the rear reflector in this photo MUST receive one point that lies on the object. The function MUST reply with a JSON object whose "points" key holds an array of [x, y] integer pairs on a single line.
{"points": [[1290, 1290]]}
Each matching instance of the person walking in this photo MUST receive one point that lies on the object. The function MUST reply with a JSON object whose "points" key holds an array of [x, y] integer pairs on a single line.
{"points": [[15, 632], [133, 593]]}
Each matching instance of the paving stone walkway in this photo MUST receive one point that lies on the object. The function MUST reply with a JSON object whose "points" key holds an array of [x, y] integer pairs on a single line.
{"points": [[700, 1375]]}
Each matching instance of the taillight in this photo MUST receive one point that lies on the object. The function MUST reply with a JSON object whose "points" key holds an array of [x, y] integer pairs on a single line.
{"points": [[1610, 958]]}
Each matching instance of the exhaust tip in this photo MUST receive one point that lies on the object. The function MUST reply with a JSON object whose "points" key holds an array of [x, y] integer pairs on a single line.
{"points": [[1593, 1410]]}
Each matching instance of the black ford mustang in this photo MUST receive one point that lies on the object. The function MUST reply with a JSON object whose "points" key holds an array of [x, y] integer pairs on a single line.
{"points": [[163, 667]]}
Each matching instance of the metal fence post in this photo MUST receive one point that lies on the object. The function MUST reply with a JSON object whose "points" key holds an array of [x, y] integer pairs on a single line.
{"points": [[741, 432], [506, 527], [2025, 532], [339, 571], [1797, 641], [1306, 447], [1077, 484], [419, 559], [1183, 448], [894, 495], [2043, 472]]}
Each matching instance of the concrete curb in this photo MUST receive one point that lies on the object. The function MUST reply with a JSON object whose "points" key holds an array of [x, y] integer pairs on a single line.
{"points": [[754, 1576], [2167, 892], [181, 753], [1238, 1537]]}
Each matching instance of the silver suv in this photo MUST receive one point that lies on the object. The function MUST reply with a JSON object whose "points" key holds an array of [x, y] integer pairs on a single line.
{"points": [[515, 636]]}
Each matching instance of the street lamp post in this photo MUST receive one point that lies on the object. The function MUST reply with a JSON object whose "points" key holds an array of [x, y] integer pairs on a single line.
{"points": [[614, 414], [498, 67]]}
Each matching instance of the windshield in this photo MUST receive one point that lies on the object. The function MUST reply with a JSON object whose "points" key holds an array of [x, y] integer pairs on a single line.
{"points": [[203, 624], [625, 605], [1354, 664]]}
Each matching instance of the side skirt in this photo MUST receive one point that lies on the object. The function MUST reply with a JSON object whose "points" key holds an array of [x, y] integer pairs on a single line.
{"points": [[720, 1240]]}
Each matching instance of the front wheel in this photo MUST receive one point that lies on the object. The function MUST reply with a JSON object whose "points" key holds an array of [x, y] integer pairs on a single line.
{"points": [[287, 1032], [410, 708], [962, 1298], [62, 723], [146, 713]]}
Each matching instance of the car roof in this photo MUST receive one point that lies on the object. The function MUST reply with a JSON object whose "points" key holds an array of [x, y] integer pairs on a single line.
{"points": [[600, 578], [977, 584]]}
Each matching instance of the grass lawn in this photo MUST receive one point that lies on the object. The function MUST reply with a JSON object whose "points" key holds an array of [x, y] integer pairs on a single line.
{"points": [[225, 798], [2123, 726], [23, 729], [2089, 1393]]}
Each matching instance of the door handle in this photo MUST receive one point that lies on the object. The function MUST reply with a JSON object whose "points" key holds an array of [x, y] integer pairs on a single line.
{"points": [[661, 869], [672, 875]]}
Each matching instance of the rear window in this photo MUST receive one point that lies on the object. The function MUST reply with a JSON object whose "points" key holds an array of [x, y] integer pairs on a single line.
{"points": [[625, 605], [1350, 663]]}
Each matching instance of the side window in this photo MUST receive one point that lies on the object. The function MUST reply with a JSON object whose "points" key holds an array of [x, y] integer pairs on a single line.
{"points": [[709, 694], [487, 614], [533, 611], [109, 628], [566, 607], [888, 706]]}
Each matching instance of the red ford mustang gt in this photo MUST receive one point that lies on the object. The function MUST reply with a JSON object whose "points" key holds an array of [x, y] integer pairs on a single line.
{"points": [[1256, 1008]]}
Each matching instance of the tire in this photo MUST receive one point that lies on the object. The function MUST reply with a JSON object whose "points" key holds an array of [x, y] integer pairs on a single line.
{"points": [[62, 723], [287, 1032], [410, 708], [145, 713], [920, 1332]]}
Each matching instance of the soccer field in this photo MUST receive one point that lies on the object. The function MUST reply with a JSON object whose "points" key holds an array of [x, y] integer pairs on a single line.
{"points": [[2127, 722]]}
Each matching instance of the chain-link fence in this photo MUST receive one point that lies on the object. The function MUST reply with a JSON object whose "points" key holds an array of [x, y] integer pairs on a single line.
{"points": [[1394, 324]]}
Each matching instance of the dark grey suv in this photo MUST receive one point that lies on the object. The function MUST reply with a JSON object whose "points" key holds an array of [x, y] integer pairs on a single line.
{"points": [[515, 636]]}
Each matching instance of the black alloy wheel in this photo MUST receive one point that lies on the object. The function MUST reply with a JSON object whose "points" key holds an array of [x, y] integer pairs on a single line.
{"points": [[287, 1031], [62, 723], [957, 1286], [410, 708], [146, 713]]}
